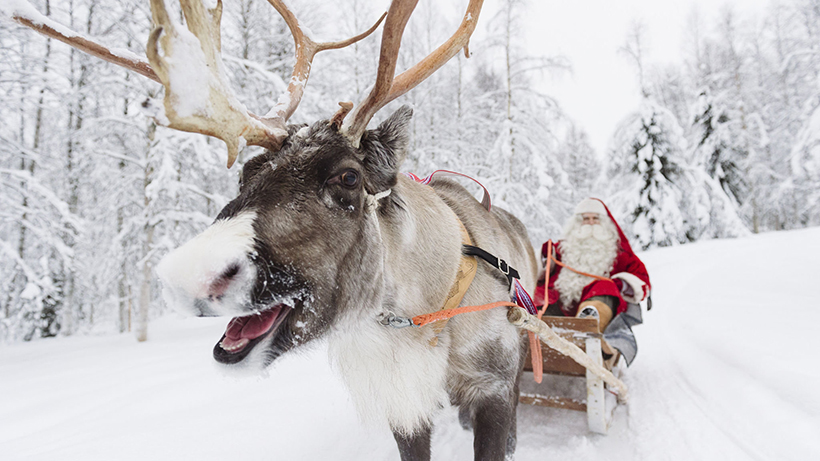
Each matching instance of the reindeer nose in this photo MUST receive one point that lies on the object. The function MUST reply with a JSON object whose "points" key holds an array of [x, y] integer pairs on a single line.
{"points": [[223, 281], [203, 309], [214, 267]]}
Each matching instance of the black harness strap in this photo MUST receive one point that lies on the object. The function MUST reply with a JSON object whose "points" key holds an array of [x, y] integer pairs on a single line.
{"points": [[498, 263]]}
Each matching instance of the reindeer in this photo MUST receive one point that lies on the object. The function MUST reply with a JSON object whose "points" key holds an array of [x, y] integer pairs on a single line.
{"points": [[326, 239]]}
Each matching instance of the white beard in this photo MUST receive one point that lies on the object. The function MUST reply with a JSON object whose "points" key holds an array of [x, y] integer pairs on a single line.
{"points": [[587, 248]]}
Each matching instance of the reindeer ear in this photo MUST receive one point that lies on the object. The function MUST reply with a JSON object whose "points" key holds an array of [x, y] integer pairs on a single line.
{"points": [[385, 148]]}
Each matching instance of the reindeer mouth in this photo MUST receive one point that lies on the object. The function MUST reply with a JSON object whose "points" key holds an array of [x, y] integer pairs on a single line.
{"points": [[244, 333]]}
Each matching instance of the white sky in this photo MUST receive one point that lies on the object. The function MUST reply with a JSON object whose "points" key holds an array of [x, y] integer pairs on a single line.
{"points": [[603, 87]]}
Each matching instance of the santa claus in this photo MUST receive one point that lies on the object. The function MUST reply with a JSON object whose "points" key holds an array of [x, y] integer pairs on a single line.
{"points": [[594, 244]]}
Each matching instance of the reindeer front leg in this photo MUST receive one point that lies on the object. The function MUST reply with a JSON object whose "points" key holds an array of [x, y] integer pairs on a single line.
{"points": [[414, 447], [494, 429]]}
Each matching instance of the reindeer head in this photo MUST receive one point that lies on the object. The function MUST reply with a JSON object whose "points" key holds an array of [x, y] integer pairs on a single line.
{"points": [[301, 242], [297, 246]]}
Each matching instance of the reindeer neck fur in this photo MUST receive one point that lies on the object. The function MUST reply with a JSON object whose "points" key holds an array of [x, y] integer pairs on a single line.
{"points": [[394, 374]]}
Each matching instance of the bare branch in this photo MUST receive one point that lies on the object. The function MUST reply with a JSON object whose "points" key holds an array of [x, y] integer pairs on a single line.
{"points": [[306, 49]]}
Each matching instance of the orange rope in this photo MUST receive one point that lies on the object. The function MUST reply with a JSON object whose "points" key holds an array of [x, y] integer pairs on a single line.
{"points": [[535, 345], [551, 258], [424, 319]]}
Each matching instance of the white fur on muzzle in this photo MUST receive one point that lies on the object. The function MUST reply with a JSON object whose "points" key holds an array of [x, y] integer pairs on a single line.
{"points": [[212, 274]]}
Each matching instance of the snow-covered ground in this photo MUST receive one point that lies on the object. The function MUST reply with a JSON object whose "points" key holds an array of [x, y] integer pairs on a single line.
{"points": [[728, 369]]}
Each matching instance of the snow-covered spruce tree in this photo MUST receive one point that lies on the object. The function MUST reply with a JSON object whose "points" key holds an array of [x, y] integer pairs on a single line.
{"points": [[581, 165], [730, 107], [646, 177], [721, 131], [805, 166], [644, 169], [718, 183]]}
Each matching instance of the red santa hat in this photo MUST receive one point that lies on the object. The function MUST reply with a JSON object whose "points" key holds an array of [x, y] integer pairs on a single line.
{"points": [[594, 205]]}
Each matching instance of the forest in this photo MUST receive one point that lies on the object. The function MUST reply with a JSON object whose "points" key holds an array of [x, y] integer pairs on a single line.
{"points": [[93, 192]]}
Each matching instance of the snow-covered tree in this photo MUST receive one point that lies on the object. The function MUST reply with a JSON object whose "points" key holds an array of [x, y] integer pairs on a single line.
{"points": [[715, 154], [91, 193], [805, 166], [526, 176], [581, 164], [750, 88], [646, 176]]}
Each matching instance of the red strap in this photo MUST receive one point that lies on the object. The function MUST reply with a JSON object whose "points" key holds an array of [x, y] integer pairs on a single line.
{"points": [[485, 199]]}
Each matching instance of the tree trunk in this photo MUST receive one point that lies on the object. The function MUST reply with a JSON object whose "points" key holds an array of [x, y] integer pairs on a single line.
{"points": [[122, 281], [147, 248], [145, 285], [123, 286], [507, 53]]}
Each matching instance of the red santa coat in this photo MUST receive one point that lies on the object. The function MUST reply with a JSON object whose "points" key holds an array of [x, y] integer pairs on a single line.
{"points": [[627, 269]]}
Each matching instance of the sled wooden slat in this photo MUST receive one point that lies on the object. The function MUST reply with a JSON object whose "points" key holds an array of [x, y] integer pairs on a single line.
{"points": [[584, 334], [586, 325], [574, 330], [553, 402]]}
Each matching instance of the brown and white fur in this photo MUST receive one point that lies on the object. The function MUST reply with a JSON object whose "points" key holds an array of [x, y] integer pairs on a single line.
{"points": [[313, 250]]}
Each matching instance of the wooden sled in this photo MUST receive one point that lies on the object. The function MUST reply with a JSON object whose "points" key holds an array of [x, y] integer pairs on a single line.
{"points": [[599, 404]]}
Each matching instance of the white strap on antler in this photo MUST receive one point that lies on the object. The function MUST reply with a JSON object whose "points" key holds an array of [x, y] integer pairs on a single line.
{"points": [[372, 201]]}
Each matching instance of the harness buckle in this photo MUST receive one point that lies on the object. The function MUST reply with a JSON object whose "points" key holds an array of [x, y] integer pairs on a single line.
{"points": [[503, 266], [389, 319]]}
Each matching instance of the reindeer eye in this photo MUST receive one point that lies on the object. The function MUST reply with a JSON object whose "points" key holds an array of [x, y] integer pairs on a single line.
{"points": [[349, 178]]}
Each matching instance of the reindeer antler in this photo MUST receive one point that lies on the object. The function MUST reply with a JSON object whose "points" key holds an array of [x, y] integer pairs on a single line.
{"points": [[386, 88], [198, 97]]}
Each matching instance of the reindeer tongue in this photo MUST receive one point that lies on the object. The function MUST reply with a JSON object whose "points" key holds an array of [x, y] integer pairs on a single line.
{"points": [[243, 329]]}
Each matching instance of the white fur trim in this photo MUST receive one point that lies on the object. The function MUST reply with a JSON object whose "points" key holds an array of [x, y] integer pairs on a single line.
{"points": [[590, 205], [638, 286]]}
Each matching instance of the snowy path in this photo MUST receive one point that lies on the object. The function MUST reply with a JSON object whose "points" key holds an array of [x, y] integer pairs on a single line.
{"points": [[723, 374]]}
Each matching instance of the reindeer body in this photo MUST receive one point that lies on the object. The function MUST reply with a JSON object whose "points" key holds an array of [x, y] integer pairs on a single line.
{"points": [[313, 257], [479, 355]]}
